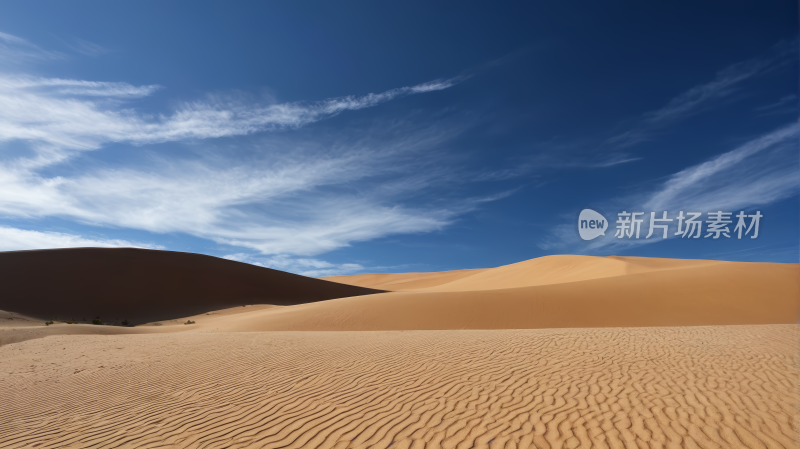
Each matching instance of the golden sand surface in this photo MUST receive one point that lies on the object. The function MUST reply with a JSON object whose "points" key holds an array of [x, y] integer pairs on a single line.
{"points": [[562, 291], [670, 387], [403, 281], [555, 352], [548, 270]]}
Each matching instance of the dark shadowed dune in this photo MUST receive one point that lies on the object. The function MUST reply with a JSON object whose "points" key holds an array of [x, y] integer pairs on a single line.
{"points": [[143, 285]]}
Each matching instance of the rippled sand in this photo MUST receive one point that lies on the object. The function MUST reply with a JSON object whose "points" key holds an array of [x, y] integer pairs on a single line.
{"points": [[675, 387]]}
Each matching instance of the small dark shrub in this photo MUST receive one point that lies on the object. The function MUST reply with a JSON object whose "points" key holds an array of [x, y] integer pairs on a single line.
{"points": [[125, 322], [189, 322], [48, 323], [97, 321], [72, 321]]}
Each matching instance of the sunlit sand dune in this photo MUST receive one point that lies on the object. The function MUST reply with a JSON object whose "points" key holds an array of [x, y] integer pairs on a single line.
{"points": [[563, 269], [403, 281], [556, 352], [15, 328], [600, 292], [541, 271], [549, 292], [688, 387]]}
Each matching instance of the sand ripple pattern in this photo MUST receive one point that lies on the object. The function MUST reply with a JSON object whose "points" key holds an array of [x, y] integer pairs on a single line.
{"points": [[622, 388]]}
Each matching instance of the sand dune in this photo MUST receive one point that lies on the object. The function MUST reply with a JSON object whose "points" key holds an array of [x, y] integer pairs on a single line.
{"points": [[540, 271], [563, 269], [549, 292], [663, 293], [703, 294], [592, 292], [689, 387], [13, 319], [403, 281], [146, 285], [557, 354], [23, 328]]}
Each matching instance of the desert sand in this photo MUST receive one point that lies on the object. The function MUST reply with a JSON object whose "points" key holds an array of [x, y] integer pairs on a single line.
{"points": [[687, 387], [555, 352]]}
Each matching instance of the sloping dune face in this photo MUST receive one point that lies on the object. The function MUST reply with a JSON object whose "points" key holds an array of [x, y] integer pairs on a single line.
{"points": [[572, 291], [404, 281], [563, 269], [557, 352], [541, 271], [146, 285]]}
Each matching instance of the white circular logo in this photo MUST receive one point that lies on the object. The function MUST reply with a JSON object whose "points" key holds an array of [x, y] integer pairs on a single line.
{"points": [[591, 224]]}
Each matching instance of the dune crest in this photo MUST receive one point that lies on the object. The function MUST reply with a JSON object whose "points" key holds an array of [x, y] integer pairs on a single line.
{"points": [[548, 292], [143, 285], [404, 281], [545, 270], [555, 352], [572, 291]]}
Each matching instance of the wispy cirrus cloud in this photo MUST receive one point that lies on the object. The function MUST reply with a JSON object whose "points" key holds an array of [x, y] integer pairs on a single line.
{"points": [[725, 83], [14, 239], [757, 173], [784, 105], [87, 48], [304, 204], [15, 49], [50, 114], [761, 171], [298, 265], [617, 149], [300, 197], [69, 87], [551, 156]]}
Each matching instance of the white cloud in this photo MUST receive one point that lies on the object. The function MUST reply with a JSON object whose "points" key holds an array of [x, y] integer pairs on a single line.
{"points": [[287, 195], [77, 87], [294, 204], [13, 239], [303, 266], [14, 40], [556, 157], [51, 115], [15, 49], [577, 153], [724, 84], [785, 105], [300, 199], [755, 174], [758, 172], [87, 48]]}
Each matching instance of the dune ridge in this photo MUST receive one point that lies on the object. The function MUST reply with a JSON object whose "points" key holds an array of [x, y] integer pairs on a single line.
{"points": [[557, 352], [548, 292], [572, 291], [403, 281], [143, 285], [545, 270]]}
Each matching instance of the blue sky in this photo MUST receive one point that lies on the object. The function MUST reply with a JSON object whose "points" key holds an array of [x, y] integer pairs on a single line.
{"points": [[338, 138]]}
